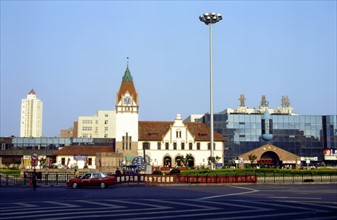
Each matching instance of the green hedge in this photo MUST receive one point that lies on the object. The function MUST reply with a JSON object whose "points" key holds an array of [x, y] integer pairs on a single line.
{"points": [[9, 171], [259, 172]]}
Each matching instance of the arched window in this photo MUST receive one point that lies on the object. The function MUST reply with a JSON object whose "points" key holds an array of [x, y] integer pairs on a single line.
{"points": [[167, 161], [178, 161]]}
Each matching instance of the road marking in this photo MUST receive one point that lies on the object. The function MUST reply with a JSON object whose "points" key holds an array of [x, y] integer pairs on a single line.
{"points": [[231, 194], [101, 204], [282, 205], [26, 205], [62, 204], [142, 203], [146, 209], [317, 203], [187, 203], [257, 208], [286, 197]]}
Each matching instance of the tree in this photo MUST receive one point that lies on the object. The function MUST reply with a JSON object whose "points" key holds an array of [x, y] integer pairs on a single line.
{"points": [[43, 162], [214, 160], [186, 159], [252, 158]]}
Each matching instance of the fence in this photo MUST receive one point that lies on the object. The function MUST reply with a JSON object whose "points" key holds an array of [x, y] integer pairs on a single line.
{"points": [[285, 178], [42, 179], [183, 179], [55, 179]]}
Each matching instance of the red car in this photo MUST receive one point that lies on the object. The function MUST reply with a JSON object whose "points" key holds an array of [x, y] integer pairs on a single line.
{"points": [[92, 179]]}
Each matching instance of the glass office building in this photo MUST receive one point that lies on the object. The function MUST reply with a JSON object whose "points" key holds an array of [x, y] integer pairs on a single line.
{"points": [[307, 136]]}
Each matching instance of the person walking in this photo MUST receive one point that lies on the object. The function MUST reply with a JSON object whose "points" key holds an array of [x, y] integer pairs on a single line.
{"points": [[118, 172], [34, 177]]}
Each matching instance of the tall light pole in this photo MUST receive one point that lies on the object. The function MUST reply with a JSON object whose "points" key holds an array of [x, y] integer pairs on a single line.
{"points": [[209, 19]]}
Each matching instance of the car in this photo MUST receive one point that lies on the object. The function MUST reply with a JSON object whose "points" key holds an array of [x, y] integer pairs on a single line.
{"points": [[92, 179]]}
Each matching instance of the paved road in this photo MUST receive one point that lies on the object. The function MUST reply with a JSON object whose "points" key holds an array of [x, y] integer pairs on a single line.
{"points": [[305, 201]]}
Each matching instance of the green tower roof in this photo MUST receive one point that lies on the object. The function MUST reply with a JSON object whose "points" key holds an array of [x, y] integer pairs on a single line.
{"points": [[127, 75]]}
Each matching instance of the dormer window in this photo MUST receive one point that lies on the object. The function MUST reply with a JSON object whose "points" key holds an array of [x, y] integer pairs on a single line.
{"points": [[178, 133]]}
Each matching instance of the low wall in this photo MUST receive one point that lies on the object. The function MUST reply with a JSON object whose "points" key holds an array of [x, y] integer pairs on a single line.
{"points": [[183, 179]]}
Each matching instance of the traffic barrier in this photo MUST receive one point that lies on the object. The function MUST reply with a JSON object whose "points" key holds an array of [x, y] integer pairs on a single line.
{"points": [[182, 179]]}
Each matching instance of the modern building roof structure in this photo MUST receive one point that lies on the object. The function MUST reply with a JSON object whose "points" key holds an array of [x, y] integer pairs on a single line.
{"points": [[246, 129]]}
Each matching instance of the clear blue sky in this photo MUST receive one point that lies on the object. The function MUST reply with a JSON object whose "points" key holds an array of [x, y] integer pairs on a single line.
{"points": [[74, 55]]}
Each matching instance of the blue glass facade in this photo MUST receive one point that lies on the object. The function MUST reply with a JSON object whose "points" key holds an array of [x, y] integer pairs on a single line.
{"points": [[303, 135]]}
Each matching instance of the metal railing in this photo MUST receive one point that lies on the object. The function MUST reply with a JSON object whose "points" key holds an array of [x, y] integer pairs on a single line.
{"points": [[284, 178], [60, 179]]}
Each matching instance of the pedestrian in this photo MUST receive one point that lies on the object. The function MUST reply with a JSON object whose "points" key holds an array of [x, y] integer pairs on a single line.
{"points": [[76, 174], [118, 172], [34, 179]]}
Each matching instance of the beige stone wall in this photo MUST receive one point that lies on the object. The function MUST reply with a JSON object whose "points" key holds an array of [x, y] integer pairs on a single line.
{"points": [[282, 154], [127, 153], [108, 160]]}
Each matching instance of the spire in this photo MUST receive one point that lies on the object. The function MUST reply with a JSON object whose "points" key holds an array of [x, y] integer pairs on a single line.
{"points": [[127, 75], [127, 85], [32, 92]]}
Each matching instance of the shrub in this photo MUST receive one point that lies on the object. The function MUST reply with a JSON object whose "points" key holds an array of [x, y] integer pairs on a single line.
{"points": [[157, 172], [175, 171]]}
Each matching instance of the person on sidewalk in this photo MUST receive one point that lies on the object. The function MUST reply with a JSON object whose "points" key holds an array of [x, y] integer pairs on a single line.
{"points": [[34, 177]]}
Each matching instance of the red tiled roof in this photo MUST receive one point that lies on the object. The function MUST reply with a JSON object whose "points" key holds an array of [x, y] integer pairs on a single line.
{"points": [[155, 131], [127, 87], [201, 132], [83, 150]]}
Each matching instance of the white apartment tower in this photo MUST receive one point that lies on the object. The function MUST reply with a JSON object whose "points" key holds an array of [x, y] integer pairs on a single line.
{"points": [[31, 116]]}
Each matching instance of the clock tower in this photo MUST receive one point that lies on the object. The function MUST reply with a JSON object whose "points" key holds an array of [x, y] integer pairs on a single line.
{"points": [[127, 118]]}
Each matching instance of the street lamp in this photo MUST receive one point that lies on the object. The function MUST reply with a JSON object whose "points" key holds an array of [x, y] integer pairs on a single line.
{"points": [[209, 19]]}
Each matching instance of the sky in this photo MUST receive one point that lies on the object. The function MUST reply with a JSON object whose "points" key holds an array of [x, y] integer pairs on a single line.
{"points": [[74, 55]]}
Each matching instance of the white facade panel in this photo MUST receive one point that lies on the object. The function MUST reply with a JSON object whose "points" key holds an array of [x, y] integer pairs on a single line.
{"points": [[101, 125]]}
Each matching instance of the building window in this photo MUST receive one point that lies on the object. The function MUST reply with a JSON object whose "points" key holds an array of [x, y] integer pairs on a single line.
{"points": [[106, 128], [158, 145], [198, 146], [106, 135], [63, 161], [209, 146], [146, 146], [190, 146], [106, 115], [166, 146], [89, 161], [178, 133], [106, 122], [86, 128], [183, 146], [127, 142], [175, 146]]}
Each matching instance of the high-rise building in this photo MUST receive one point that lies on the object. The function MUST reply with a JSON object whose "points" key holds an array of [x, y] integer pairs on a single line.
{"points": [[265, 131], [31, 116]]}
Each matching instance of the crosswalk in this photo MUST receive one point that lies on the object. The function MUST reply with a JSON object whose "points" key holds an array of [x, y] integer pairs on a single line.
{"points": [[145, 209]]}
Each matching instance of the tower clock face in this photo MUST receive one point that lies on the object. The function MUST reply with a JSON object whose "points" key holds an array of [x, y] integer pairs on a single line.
{"points": [[127, 100]]}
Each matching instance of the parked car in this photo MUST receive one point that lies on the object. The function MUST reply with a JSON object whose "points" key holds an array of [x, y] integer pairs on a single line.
{"points": [[92, 179]]}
